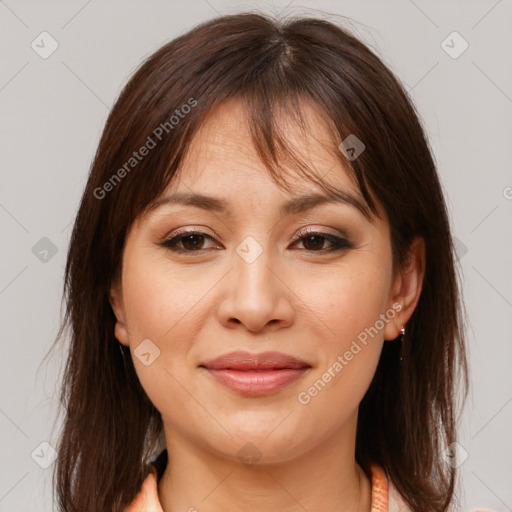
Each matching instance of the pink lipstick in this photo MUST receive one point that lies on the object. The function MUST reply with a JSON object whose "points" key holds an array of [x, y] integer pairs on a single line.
{"points": [[256, 374]]}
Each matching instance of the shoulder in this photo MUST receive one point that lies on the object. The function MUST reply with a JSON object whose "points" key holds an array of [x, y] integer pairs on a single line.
{"points": [[382, 485], [147, 497], [385, 497], [396, 502]]}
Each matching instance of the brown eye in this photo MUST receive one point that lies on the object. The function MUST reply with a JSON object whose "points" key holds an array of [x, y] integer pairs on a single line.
{"points": [[314, 242], [193, 241]]}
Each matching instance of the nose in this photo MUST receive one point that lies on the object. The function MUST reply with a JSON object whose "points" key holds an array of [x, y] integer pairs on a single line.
{"points": [[255, 295]]}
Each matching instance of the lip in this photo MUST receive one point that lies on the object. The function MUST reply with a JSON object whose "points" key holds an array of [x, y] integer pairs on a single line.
{"points": [[256, 374], [246, 361]]}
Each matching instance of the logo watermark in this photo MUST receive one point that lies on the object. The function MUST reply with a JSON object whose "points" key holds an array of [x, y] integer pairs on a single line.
{"points": [[305, 397], [151, 142]]}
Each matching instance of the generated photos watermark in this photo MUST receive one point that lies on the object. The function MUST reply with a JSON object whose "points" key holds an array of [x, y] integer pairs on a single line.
{"points": [[151, 142], [305, 397]]}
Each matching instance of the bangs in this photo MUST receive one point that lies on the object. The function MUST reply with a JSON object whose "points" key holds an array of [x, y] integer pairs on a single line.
{"points": [[271, 118]]}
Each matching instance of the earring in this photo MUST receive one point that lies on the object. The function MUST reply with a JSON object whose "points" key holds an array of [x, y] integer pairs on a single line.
{"points": [[401, 339]]}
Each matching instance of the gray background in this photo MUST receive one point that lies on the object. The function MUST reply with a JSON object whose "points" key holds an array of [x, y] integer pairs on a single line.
{"points": [[52, 114]]}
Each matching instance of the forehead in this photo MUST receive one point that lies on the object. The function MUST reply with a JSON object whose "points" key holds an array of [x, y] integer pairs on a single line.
{"points": [[222, 154]]}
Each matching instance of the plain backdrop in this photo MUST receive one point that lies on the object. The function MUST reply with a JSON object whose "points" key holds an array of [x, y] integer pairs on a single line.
{"points": [[53, 108]]}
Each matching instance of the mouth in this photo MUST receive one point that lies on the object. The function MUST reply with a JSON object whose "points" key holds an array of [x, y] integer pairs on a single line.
{"points": [[255, 375]]}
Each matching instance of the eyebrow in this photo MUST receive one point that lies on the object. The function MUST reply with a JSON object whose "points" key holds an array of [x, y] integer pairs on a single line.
{"points": [[294, 205]]}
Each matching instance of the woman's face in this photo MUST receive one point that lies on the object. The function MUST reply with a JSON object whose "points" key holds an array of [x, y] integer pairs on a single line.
{"points": [[253, 280]]}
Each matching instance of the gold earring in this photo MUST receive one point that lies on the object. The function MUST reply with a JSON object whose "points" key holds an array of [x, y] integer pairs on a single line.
{"points": [[401, 339]]}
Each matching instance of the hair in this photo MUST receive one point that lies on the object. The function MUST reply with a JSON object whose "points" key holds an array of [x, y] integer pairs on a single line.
{"points": [[409, 414]]}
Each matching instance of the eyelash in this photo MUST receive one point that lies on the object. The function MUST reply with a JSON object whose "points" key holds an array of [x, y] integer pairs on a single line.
{"points": [[339, 243]]}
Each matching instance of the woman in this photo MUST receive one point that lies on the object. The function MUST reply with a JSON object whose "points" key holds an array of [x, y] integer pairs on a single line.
{"points": [[261, 276]]}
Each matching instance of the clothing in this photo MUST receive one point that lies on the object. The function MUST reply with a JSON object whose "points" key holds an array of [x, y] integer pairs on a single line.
{"points": [[384, 497]]}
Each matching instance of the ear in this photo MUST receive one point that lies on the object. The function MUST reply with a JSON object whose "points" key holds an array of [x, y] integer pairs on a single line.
{"points": [[116, 302], [406, 289]]}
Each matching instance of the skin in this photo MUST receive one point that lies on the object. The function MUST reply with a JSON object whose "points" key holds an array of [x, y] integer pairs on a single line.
{"points": [[293, 298]]}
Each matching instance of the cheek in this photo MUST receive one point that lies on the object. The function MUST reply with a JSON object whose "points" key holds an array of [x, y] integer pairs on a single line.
{"points": [[348, 315], [348, 303], [162, 306], [159, 300]]}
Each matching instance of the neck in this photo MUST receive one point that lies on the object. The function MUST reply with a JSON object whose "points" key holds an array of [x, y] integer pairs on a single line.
{"points": [[325, 477]]}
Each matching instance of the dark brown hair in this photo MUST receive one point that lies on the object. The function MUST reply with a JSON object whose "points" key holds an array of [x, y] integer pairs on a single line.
{"points": [[408, 415]]}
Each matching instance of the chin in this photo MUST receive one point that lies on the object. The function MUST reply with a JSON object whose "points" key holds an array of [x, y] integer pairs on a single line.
{"points": [[262, 446]]}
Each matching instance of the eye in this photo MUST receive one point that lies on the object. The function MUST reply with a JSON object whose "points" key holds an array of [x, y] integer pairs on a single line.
{"points": [[314, 241], [190, 241]]}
